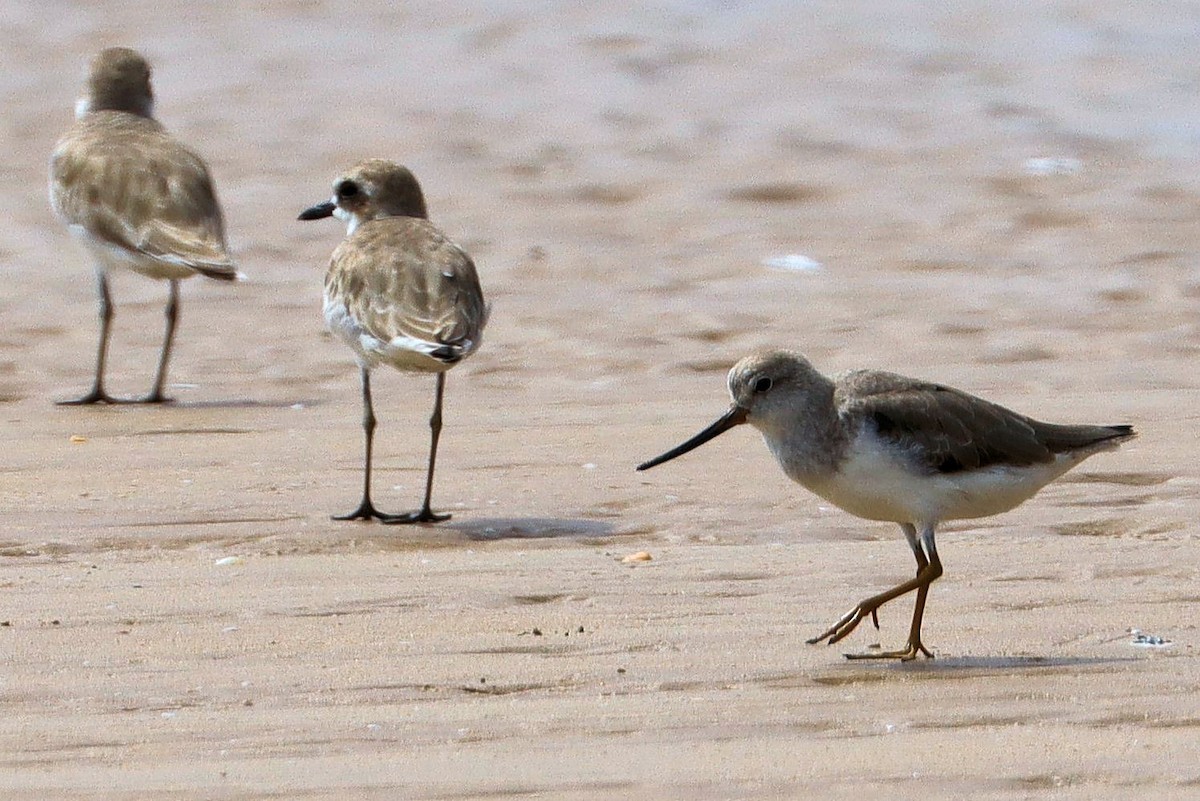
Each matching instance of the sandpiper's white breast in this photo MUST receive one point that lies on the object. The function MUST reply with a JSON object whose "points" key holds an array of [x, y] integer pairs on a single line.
{"points": [[877, 480], [872, 481]]}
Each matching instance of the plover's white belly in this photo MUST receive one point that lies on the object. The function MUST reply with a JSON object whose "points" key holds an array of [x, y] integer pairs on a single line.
{"points": [[878, 482], [403, 353]]}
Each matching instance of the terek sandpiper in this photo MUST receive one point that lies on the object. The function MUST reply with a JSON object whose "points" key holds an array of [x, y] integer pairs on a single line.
{"points": [[136, 198], [885, 447], [398, 292]]}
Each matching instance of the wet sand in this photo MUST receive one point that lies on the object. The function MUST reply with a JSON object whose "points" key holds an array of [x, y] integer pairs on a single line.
{"points": [[181, 617]]}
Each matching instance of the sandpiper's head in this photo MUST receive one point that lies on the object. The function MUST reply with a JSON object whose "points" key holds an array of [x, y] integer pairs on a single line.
{"points": [[371, 190], [768, 390], [773, 387], [119, 80]]}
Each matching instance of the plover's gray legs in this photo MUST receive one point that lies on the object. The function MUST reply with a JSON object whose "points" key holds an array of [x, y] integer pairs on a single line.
{"points": [[160, 377], [929, 568], [366, 510], [104, 304], [426, 514], [97, 394]]}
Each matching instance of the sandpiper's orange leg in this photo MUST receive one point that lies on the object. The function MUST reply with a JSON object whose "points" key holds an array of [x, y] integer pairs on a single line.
{"points": [[914, 646], [928, 570]]}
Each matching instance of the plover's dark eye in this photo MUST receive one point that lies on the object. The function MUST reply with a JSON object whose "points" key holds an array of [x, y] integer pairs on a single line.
{"points": [[346, 189], [762, 384]]}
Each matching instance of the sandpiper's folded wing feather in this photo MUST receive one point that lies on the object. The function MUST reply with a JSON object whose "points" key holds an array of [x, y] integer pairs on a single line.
{"points": [[402, 279], [949, 430], [140, 190]]}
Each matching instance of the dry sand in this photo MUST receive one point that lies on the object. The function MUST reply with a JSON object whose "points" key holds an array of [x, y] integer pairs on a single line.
{"points": [[182, 619]]}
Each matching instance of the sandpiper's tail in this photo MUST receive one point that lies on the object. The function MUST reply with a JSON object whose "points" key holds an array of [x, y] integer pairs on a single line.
{"points": [[1084, 439]]}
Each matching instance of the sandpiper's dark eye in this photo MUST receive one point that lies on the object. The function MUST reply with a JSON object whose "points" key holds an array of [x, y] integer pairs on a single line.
{"points": [[762, 384], [346, 189]]}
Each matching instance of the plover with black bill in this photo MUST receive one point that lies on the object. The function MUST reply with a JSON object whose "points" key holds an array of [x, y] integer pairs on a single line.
{"points": [[136, 198], [399, 293], [885, 447]]}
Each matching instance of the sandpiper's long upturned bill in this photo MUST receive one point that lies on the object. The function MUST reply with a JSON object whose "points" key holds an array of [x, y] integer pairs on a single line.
{"points": [[136, 198], [885, 447], [399, 293]]}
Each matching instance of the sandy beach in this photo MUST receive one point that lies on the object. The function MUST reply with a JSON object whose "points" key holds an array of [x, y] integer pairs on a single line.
{"points": [[1004, 199]]}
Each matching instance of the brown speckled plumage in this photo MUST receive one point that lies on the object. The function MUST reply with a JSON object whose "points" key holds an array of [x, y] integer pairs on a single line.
{"points": [[401, 277], [397, 292], [128, 183], [135, 197]]}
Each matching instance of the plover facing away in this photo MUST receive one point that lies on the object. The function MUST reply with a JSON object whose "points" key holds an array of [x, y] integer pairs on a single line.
{"points": [[136, 198], [885, 447], [399, 293]]}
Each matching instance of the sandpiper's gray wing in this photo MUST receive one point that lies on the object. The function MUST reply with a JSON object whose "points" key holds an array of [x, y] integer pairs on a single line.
{"points": [[949, 430]]}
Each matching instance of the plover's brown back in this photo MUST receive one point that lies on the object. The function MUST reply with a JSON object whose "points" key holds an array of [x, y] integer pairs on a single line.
{"points": [[138, 198], [400, 293]]}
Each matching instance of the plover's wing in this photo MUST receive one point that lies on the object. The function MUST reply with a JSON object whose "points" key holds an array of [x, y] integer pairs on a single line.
{"points": [[945, 429], [129, 184], [404, 282]]}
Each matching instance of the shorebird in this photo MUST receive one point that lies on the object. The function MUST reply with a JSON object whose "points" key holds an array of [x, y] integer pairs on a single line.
{"points": [[136, 198], [398, 292], [885, 447]]}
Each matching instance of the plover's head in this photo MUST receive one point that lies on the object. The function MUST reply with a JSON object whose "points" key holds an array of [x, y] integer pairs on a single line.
{"points": [[769, 391], [119, 80], [371, 190]]}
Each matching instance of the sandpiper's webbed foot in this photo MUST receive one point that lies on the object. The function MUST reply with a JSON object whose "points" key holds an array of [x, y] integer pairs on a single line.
{"points": [[905, 654], [847, 623], [422, 516], [95, 396]]}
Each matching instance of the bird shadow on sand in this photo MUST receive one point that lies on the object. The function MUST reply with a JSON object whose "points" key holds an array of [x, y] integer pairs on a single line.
{"points": [[980, 665], [244, 403], [531, 528], [230, 403]]}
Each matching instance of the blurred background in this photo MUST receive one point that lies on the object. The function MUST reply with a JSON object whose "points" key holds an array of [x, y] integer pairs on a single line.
{"points": [[996, 182], [1000, 196]]}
